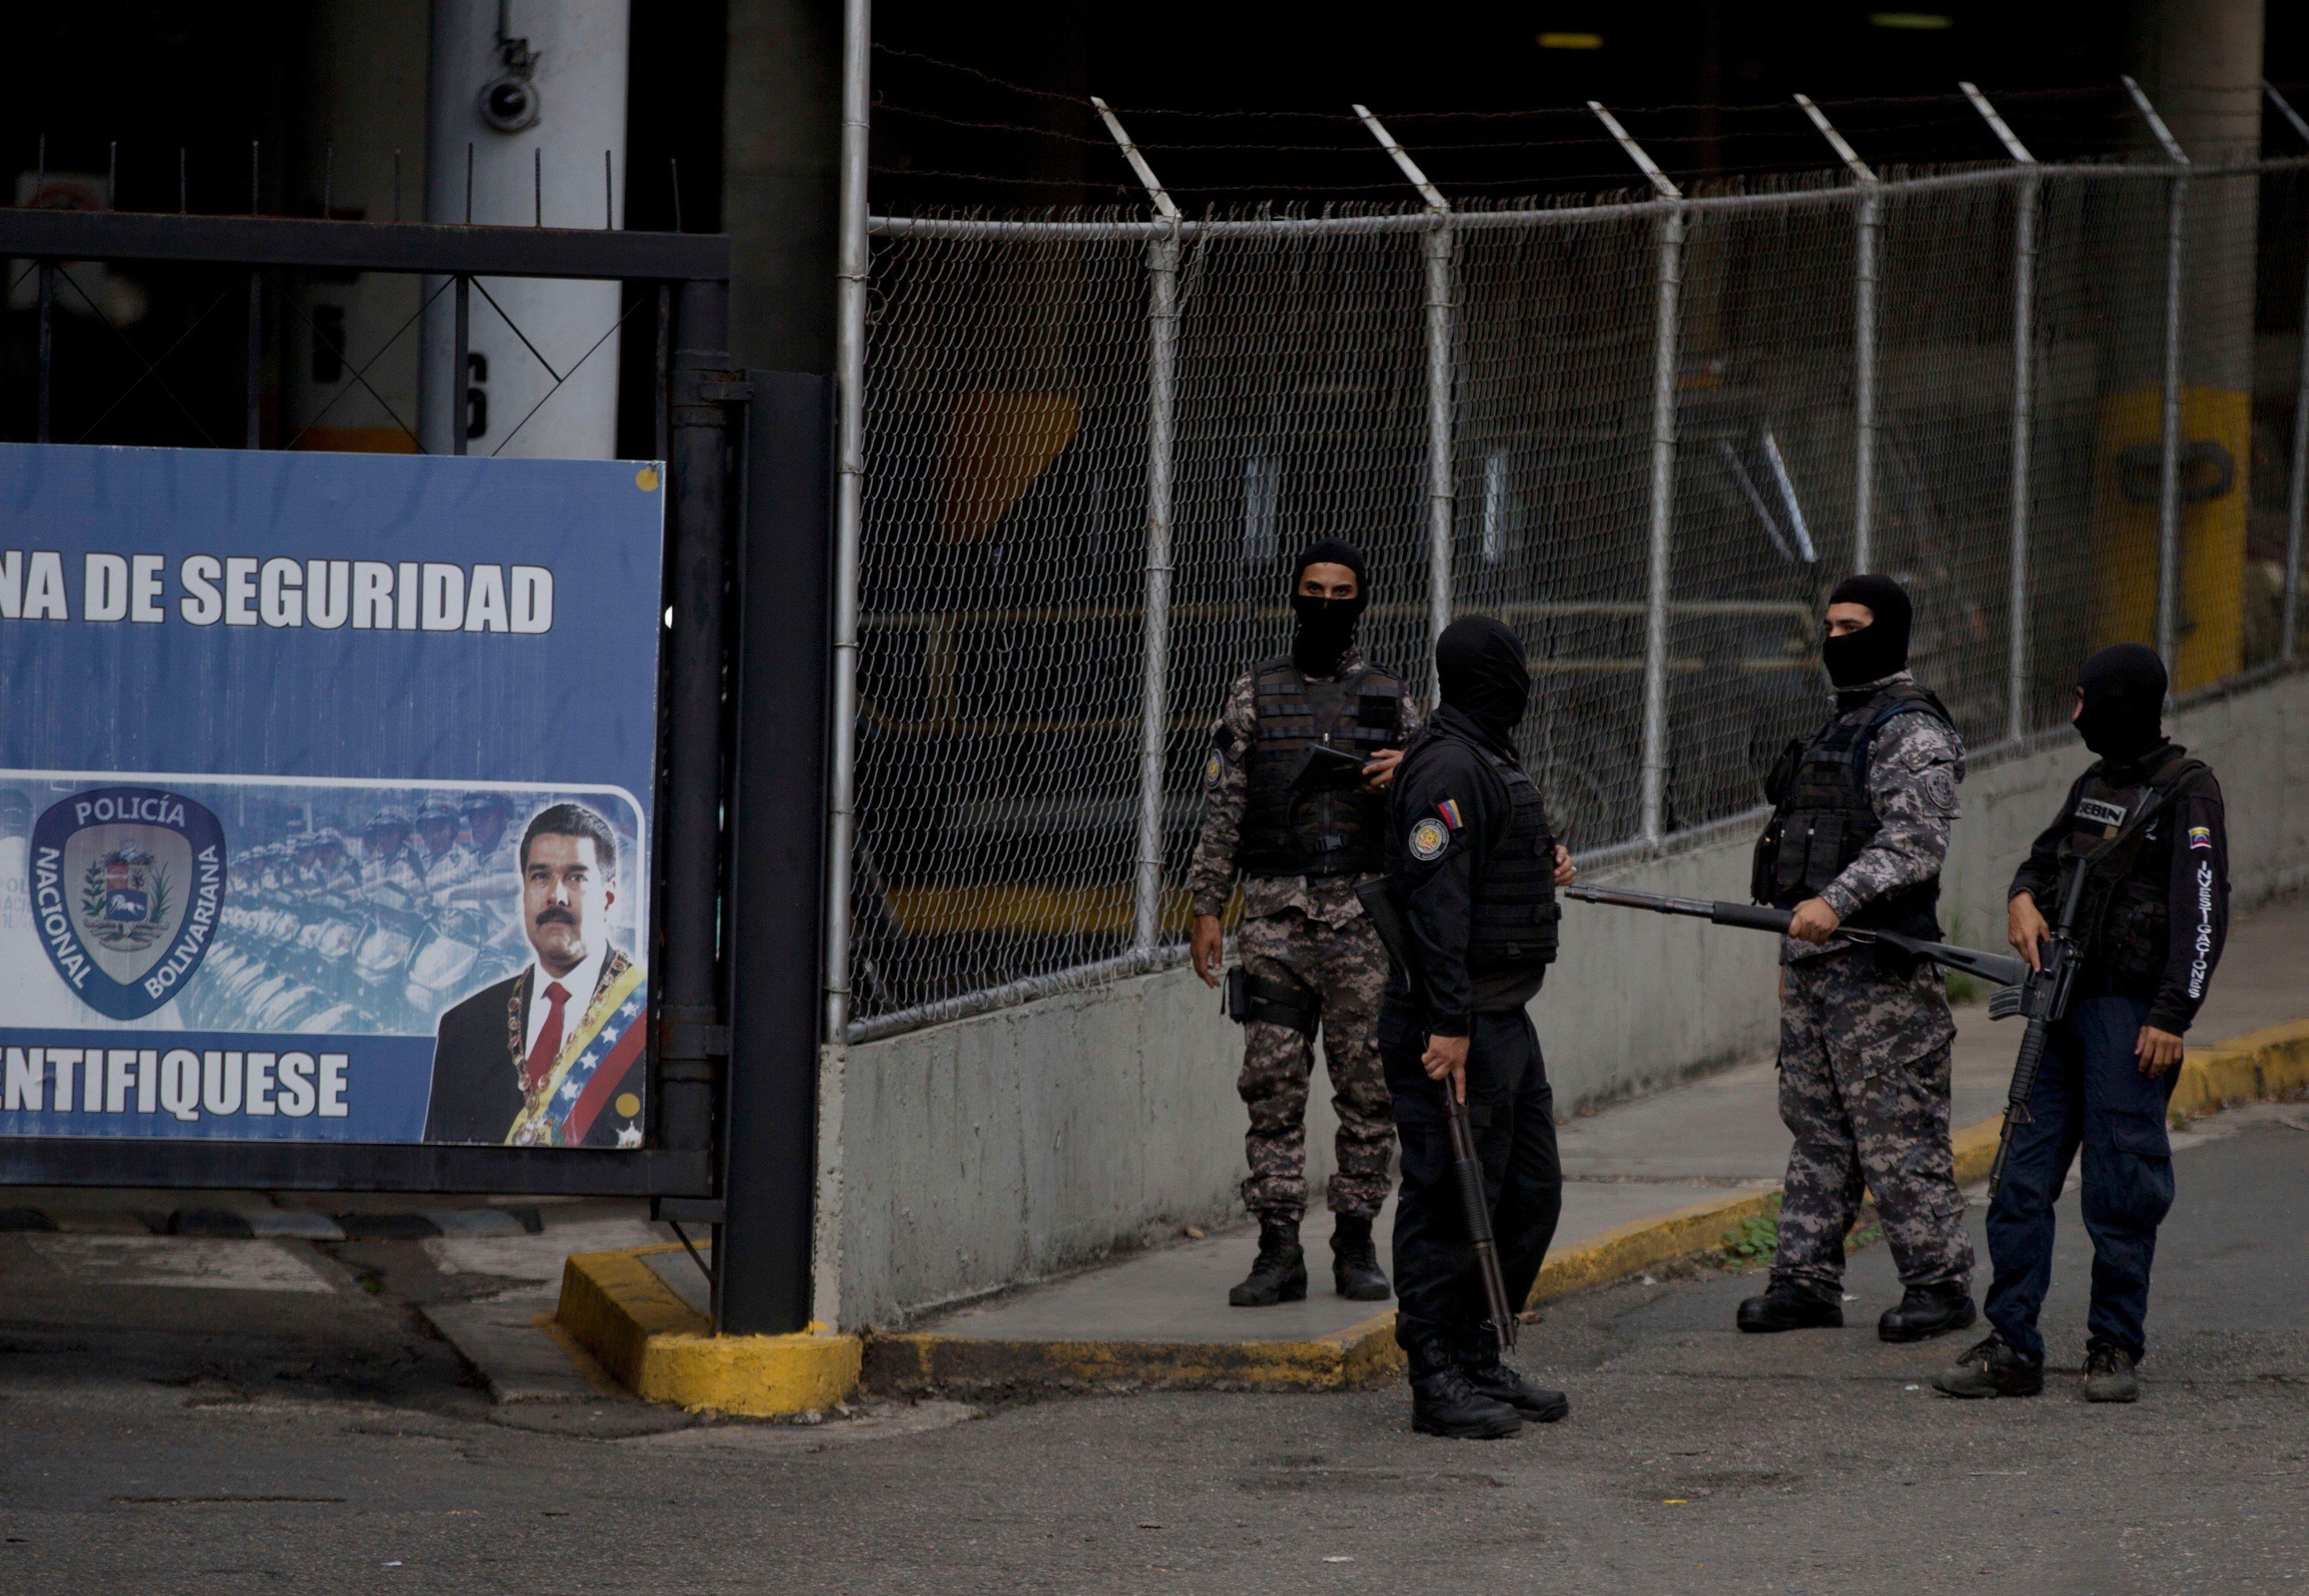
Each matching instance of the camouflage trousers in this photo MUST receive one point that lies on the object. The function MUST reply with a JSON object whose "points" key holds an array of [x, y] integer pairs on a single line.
{"points": [[1864, 1088], [1348, 966]]}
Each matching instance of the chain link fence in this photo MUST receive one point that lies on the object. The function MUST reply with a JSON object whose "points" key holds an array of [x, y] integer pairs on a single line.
{"points": [[2060, 403]]}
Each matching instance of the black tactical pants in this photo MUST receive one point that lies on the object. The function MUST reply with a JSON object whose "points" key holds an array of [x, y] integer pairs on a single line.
{"points": [[1511, 1109]]}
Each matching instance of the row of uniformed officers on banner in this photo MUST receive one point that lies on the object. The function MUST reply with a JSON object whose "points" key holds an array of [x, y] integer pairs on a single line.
{"points": [[1859, 828]]}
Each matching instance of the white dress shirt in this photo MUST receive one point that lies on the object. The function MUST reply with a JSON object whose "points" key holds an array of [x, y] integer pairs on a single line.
{"points": [[578, 983]]}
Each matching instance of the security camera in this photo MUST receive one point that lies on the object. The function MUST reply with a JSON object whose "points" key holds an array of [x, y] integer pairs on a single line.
{"points": [[509, 103]]}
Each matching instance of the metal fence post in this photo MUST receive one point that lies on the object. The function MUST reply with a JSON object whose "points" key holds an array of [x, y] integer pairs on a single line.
{"points": [[1867, 255], [2296, 503], [1652, 823], [1154, 708], [849, 503], [1438, 246], [2018, 688], [2169, 493]]}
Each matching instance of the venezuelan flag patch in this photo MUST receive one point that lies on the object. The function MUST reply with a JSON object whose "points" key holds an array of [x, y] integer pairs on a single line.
{"points": [[1449, 810]]}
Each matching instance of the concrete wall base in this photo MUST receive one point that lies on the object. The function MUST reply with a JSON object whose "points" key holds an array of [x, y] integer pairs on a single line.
{"points": [[988, 1152]]}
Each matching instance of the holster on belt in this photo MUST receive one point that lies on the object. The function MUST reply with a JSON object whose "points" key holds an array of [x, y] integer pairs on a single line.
{"points": [[1250, 997]]}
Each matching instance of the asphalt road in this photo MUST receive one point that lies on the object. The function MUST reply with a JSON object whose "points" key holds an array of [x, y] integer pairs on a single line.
{"points": [[162, 1439]]}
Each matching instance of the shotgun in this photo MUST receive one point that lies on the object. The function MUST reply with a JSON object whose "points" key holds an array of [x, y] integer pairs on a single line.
{"points": [[1999, 970], [1387, 917]]}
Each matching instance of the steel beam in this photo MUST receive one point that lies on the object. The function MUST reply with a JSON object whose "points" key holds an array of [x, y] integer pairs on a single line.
{"points": [[363, 246]]}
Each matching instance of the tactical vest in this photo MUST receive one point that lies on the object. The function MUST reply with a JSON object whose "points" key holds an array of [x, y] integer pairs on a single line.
{"points": [[2122, 918], [1514, 914], [1516, 911], [1297, 833], [1823, 820]]}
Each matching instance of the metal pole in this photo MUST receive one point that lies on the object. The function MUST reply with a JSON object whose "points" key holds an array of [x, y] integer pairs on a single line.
{"points": [[1866, 256], [1162, 372], [2018, 690], [2296, 504], [690, 919], [1438, 244], [46, 270], [256, 317], [1663, 477], [460, 389], [777, 662], [849, 503], [2169, 493], [256, 355]]}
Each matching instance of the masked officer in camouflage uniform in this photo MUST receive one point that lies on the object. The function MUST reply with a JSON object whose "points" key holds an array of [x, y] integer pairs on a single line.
{"points": [[1859, 828], [1302, 834], [2145, 826]]}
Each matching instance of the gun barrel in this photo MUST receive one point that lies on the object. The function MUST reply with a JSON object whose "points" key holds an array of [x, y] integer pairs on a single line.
{"points": [[1618, 898], [1477, 1203]]}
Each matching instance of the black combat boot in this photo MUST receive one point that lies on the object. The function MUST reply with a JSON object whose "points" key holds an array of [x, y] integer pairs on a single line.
{"points": [[1787, 1307], [1444, 1401], [2108, 1375], [1280, 1272], [1927, 1311], [1354, 1260], [1479, 1358], [1992, 1368]]}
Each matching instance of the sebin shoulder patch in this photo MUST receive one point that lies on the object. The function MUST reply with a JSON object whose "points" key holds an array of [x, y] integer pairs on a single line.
{"points": [[1427, 840]]}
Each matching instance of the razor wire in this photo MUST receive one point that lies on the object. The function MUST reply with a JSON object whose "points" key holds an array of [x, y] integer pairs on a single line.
{"points": [[2017, 473]]}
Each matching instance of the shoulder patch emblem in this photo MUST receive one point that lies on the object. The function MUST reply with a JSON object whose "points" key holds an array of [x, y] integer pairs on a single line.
{"points": [[1212, 767], [1939, 789], [2201, 836], [1429, 839]]}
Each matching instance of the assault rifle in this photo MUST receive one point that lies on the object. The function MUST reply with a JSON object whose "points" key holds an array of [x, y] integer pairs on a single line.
{"points": [[1999, 968], [1394, 930], [2043, 997]]}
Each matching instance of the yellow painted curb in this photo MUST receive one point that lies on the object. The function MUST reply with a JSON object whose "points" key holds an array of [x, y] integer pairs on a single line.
{"points": [[1639, 1244], [614, 1306], [662, 1350], [2265, 1063]]}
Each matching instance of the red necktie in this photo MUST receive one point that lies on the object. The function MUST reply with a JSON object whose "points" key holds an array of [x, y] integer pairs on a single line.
{"points": [[547, 1046]]}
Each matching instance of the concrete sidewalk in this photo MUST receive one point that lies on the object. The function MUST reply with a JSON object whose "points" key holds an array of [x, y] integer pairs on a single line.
{"points": [[1640, 1160]]}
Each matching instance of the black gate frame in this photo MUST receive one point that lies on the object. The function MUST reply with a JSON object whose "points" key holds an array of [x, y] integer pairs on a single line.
{"points": [[730, 556]]}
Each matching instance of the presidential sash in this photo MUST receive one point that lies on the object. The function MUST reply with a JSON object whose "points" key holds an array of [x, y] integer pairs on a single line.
{"points": [[593, 1061]]}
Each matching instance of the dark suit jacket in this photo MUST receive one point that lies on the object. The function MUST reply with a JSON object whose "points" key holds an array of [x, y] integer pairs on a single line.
{"points": [[477, 1059]]}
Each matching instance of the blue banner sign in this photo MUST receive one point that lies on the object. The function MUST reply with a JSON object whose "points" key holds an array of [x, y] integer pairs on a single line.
{"points": [[325, 796]]}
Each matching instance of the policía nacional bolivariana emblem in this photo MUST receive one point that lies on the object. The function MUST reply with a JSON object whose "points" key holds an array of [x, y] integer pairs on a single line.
{"points": [[126, 883]]}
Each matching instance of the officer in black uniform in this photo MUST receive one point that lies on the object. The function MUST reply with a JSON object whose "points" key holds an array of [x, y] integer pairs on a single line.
{"points": [[2144, 824], [1471, 858]]}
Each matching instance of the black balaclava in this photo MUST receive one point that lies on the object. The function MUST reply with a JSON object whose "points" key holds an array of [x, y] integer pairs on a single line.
{"points": [[1880, 648], [2124, 702], [1479, 663], [1327, 627]]}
